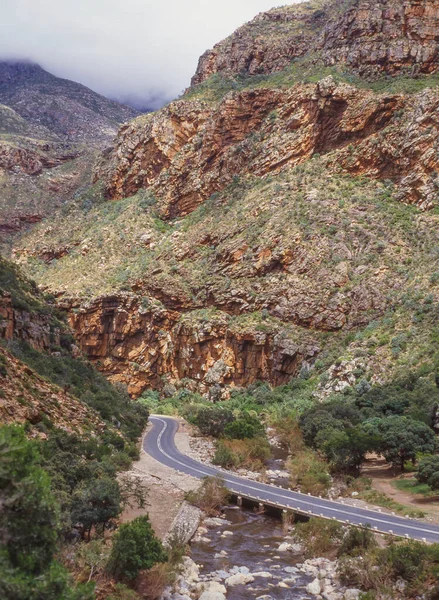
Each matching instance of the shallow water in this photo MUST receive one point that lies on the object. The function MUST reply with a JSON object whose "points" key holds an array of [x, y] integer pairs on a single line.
{"points": [[254, 544]]}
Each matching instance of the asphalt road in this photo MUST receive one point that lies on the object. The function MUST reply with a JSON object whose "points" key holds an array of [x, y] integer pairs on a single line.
{"points": [[159, 443]]}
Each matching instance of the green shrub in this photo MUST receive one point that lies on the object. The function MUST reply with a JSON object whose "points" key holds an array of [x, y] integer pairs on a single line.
{"points": [[428, 471], [245, 427], [29, 526], [319, 537], [135, 548], [356, 541]]}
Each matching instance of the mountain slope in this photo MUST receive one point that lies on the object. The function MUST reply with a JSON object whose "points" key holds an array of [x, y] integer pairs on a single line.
{"points": [[51, 131], [269, 225], [67, 110]]}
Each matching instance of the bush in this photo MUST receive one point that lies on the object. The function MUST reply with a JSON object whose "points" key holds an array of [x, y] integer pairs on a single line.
{"points": [[211, 420], [122, 592], [248, 453], [356, 541], [153, 583], [210, 496], [428, 472], [135, 548], [319, 537], [224, 456], [309, 472], [245, 427]]}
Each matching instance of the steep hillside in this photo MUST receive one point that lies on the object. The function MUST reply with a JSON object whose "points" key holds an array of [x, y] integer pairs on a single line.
{"points": [[51, 131], [45, 381], [67, 110], [275, 221]]}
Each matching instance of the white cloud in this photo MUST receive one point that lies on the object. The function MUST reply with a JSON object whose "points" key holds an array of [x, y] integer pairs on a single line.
{"points": [[121, 48]]}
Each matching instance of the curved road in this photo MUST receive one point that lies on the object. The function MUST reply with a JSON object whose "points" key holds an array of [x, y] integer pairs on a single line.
{"points": [[159, 443]]}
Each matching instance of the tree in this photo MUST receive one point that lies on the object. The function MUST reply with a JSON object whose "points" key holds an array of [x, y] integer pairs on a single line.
{"points": [[96, 504], [29, 515], [29, 526], [245, 427], [212, 420], [401, 438], [135, 548], [346, 450], [335, 415], [428, 472]]}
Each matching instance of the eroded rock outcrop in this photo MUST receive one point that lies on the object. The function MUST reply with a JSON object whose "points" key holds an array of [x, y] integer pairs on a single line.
{"points": [[36, 329], [154, 347], [260, 132], [367, 36]]}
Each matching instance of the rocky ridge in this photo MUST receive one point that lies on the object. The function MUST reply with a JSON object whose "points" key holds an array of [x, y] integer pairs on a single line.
{"points": [[58, 108], [188, 151], [366, 36]]}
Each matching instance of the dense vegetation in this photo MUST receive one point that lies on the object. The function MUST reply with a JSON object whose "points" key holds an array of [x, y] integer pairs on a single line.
{"points": [[63, 493], [366, 565], [330, 437]]}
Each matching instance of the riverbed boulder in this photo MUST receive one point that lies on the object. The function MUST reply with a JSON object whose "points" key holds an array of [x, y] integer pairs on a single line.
{"points": [[314, 588], [212, 596], [212, 587], [239, 579]]}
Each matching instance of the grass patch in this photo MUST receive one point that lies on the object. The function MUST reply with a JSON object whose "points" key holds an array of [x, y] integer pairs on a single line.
{"points": [[413, 487], [380, 499]]}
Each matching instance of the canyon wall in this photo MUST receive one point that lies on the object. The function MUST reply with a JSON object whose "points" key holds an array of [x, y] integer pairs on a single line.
{"points": [[157, 348], [188, 151]]}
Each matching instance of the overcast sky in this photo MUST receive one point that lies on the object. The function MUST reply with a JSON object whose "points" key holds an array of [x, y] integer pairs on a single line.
{"points": [[125, 49]]}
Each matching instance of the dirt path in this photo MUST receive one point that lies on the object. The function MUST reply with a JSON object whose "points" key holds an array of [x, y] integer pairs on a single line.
{"points": [[382, 476]]}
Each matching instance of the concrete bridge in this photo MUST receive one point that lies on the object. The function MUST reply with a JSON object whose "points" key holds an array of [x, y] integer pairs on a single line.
{"points": [[159, 443]]}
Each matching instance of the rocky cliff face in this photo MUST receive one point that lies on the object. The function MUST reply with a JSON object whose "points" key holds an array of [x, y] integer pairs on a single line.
{"points": [[145, 347], [367, 36], [35, 329], [189, 150]]}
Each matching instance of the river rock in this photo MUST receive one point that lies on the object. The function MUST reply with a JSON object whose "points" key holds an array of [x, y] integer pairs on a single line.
{"points": [[239, 579], [212, 596], [264, 574], [284, 547], [215, 522], [266, 597], [212, 587], [291, 570], [314, 588], [226, 534], [352, 594], [191, 571], [332, 596], [185, 524]]}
